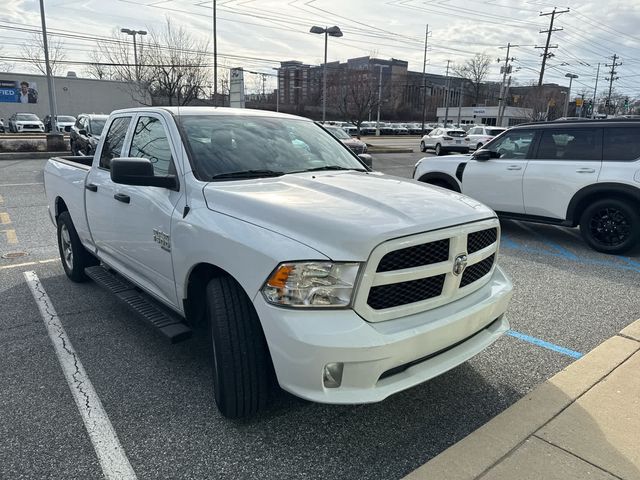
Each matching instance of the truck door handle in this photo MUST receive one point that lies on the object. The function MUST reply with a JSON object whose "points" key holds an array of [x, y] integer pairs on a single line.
{"points": [[121, 197], [92, 187], [514, 167], [586, 170]]}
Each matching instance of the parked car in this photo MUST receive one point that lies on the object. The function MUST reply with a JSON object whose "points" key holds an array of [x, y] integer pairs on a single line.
{"points": [[478, 136], [571, 173], [25, 122], [354, 144], [444, 140], [2, 125], [85, 134], [64, 123], [304, 270], [399, 129]]}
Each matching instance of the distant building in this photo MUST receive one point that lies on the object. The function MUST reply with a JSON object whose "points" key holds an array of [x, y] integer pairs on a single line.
{"points": [[73, 95]]}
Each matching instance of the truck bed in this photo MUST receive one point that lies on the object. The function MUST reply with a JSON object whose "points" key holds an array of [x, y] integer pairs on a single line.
{"points": [[80, 161]]}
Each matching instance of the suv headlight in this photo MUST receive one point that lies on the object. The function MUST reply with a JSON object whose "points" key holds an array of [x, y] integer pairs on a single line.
{"points": [[311, 284]]}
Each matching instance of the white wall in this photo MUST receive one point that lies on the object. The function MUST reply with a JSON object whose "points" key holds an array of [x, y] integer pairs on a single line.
{"points": [[73, 96]]}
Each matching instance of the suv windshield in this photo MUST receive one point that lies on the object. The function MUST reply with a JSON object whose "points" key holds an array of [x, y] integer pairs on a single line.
{"points": [[96, 126], [27, 117], [241, 147]]}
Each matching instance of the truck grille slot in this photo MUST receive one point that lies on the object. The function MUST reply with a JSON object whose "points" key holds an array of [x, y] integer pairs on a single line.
{"points": [[395, 294], [477, 271], [478, 240], [420, 255]]}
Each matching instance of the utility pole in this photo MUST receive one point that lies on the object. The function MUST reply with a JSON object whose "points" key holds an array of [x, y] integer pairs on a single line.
{"points": [[52, 94], [595, 90], [215, 57], [546, 53], [379, 98], [446, 96], [612, 77], [424, 78], [460, 104], [506, 70], [504, 105]]}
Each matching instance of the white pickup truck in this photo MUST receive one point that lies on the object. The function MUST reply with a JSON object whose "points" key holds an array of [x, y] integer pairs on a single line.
{"points": [[341, 284]]}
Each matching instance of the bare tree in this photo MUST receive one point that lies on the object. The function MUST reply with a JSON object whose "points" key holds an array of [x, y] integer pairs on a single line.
{"points": [[98, 68], [474, 71], [5, 66], [172, 65], [33, 51], [355, 96]]}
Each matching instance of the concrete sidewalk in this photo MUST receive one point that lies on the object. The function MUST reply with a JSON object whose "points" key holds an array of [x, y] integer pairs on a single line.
{"points": [[582, 423]]}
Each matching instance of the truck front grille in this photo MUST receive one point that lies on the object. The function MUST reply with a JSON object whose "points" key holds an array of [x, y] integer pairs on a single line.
{"points": [[413, 274]]}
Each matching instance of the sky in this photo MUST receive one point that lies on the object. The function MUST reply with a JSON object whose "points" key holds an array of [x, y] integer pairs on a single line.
{"points": [[258, 34]]}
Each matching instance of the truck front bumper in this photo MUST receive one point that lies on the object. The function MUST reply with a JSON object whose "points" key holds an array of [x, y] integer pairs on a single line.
{"points": [[380, 359]]}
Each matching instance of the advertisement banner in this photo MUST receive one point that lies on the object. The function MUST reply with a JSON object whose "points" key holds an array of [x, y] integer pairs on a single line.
{"points": [[13, 91]]}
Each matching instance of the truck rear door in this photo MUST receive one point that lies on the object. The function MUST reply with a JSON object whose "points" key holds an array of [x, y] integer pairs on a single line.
{"points": [[139, 217]]}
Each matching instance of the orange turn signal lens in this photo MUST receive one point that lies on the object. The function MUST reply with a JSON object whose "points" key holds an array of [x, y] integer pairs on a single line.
{"points": [[280, 276]]}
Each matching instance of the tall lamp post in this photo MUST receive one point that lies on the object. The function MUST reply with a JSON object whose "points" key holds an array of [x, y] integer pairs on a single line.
{"points": [[379, 97], [133, 33], [570, 76], [328, 32]]}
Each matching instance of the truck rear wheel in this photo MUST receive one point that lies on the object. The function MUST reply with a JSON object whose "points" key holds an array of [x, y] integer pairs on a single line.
{"points": [[75, 258], [610, 226], [242, 369]]}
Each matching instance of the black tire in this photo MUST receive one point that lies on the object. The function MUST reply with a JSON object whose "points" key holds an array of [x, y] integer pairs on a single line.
{"points": [[423, 147], [479, 146], [74, 257], [465, 151], [242, 369], [72, 147], [438, 149], [611, 226], [440, 183]]}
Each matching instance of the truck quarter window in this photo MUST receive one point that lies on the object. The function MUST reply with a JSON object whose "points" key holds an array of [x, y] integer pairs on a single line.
{"points": [[570, 144], [113, 141], [150, 141], [621, 144]]}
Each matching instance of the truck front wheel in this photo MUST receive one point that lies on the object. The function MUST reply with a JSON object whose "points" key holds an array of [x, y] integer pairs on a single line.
{"points": [[75, 258], [242, 369]]}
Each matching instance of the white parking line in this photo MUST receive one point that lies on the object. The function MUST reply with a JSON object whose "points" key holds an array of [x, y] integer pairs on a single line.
{"points": [[27, 264], [115, 464]]}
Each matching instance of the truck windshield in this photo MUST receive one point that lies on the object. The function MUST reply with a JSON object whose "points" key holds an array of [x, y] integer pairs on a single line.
{"points": [[227, 147]]}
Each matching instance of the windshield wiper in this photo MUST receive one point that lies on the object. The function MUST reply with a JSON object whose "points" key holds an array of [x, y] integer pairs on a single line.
{"points": [[247, 174], [329, 167]]}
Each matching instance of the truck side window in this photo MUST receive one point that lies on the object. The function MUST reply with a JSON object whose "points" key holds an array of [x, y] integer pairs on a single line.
{"points": [[114, 140], [150, 141]]}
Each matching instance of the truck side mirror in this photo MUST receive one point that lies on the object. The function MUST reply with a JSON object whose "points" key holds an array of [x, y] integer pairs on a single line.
{"points": [[82, 131], [366, 159], [139, 171]]}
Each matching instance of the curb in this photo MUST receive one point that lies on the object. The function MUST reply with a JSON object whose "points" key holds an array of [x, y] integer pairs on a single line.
{"points": [[372, 150], [31, 155], [481, 450]]}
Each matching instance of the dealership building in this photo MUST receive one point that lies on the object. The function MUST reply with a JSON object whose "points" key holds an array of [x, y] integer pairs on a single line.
{"points": [[29, 93]]}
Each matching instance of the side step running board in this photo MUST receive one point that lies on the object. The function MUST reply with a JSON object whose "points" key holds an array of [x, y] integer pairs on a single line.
{"points": [[165, 321]]}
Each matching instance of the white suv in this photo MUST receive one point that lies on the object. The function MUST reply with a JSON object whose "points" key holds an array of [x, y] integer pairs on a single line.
{"points": [[482, 134], [572, 174], [443, 140]]}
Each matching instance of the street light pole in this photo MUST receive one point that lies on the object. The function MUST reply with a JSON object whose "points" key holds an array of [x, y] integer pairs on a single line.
{"points": [[570, 76], [133, 33], [379, 100], [328, 32], [52, 93]]}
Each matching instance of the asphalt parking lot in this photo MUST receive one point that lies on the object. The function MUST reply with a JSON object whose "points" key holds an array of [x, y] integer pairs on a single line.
{"points": [[159, 400]]}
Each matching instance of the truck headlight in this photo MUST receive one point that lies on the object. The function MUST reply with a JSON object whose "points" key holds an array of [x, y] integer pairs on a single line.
{"points": [[311, 284]]}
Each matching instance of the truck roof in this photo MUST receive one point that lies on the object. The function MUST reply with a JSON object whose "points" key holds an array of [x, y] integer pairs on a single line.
{"points": [[178, 111]]}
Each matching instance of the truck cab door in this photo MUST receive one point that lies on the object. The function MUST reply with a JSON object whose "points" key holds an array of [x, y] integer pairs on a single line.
{"points": [[497, 181], [147, 212]]}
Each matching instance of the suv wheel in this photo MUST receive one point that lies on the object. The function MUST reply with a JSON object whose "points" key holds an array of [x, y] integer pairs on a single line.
{"points": [[423, 147], [438, 149], [610, 226], [479, 146]]}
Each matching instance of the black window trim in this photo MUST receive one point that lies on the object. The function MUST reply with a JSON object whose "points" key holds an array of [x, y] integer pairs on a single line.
{"points": [[541, 132], [166, 131], [126, 136], [612, 127]]}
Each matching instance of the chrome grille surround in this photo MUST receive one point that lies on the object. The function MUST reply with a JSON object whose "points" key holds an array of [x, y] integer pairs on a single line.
{"points": [[451, 289]]}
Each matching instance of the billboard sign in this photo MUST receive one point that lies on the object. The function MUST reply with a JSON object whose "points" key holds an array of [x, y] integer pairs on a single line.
{"points": [[236, 88], [13, 91]]}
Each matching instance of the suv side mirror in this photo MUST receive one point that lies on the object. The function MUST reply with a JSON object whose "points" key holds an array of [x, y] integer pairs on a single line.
{"points": [[82, 131], [482, 155], [139, 171]]}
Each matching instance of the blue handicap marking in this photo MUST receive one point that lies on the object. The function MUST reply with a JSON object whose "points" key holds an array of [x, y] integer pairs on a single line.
{"points": [[544, 344]]}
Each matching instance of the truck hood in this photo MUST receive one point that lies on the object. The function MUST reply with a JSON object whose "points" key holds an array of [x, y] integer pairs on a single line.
{"points": [[343, 215]]}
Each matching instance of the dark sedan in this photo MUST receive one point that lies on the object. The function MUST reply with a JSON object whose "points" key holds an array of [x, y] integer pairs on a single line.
{"points": [[85, 134], [354, 144]]}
